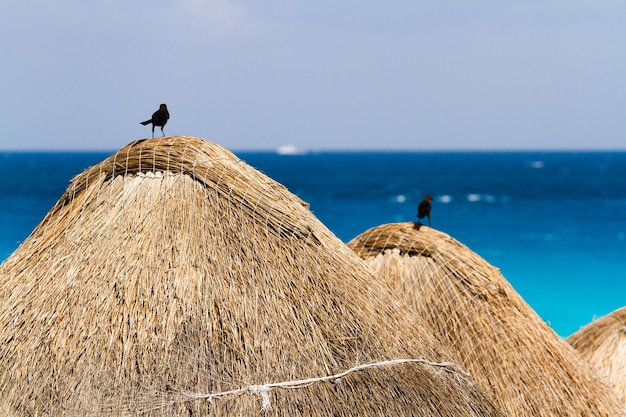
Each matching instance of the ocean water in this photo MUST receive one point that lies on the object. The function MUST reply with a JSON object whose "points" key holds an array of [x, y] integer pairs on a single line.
{"points": [[554, 223]]}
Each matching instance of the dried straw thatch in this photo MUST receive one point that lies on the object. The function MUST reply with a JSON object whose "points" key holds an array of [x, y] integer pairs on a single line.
{"points": [[174, 279], [507, 348], [603, 344]]}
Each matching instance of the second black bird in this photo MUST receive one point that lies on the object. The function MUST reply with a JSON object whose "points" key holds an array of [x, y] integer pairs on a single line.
{"points": [[423, 209], [159, 118]]}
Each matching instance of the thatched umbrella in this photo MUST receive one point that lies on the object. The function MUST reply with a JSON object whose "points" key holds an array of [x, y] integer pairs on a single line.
{"points": [[506, 347], [602, 343], [174, 279]]}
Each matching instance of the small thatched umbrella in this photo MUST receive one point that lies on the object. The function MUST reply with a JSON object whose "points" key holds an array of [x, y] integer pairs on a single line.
{"points": [[174, 279], [508, 349], [603, 344]]}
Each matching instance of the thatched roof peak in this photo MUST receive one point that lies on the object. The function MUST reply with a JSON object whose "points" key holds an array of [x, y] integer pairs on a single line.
{"points": [[602, 343], [509, 350], [211, 165], [174, 279]]}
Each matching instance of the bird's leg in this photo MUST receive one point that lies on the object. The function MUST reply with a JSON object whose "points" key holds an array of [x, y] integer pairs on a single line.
{"points": [[162, 131], [153, 131]]}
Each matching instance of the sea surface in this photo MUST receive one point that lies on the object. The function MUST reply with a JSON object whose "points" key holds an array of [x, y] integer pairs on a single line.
{"points": [[554, 223]]}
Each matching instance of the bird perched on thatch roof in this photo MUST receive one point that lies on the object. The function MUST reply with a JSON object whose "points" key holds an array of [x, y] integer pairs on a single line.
{"points": [[423, 209], [159, 118]]}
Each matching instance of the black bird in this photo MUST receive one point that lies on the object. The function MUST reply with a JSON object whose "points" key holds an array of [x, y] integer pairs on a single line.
{"points": [[423, 210], [159, 118]]}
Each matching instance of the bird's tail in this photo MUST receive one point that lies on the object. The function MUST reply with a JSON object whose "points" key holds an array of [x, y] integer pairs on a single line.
{"points": [[146, 122]]}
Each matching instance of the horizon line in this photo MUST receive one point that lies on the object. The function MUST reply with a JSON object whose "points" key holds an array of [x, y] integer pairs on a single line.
{"points": [[307, 151]]}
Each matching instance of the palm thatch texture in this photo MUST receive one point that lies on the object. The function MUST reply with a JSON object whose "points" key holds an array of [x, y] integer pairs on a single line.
{"points": [[174, 279], [602, 343], [507, 348]]}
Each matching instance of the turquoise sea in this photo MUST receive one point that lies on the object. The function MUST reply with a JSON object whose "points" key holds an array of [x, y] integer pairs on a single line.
{"points": [[553, 222]]}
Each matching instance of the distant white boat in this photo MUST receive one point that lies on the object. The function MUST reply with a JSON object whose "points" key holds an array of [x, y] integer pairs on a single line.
{"points": [[290, 150]]}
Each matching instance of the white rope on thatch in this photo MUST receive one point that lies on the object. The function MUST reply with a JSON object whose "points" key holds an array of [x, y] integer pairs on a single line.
{"points": [[264, 390]]}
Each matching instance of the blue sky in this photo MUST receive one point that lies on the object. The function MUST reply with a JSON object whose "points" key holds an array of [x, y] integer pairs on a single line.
{"points": [[364, 75]]}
